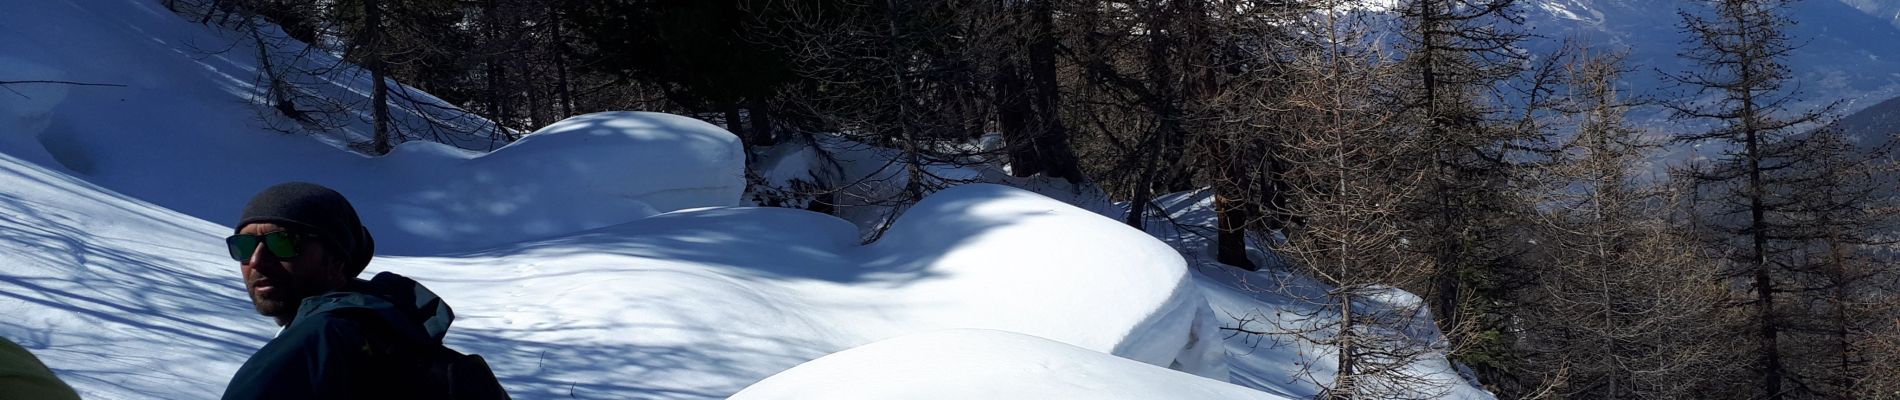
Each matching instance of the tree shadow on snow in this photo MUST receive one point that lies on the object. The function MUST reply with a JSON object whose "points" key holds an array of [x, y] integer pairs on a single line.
{"points": [[624, 368], [776, 243], [93, 304]]}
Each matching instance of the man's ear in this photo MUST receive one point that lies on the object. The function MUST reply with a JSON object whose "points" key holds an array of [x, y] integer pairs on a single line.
{"points": [[337, 265]]}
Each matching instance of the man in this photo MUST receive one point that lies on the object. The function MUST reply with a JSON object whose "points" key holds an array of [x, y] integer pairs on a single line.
{"points": [[299, 247]]}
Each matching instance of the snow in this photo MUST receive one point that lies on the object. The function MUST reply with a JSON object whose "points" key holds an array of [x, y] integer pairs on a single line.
{"points": [[869, 178], [1278, 299], [983, 364], [604, 256], [581, 173], [706, 301], [695, 303], [190, 111]]}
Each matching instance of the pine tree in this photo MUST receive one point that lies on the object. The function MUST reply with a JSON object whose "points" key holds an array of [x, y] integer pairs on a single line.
{"points": [[1771, 160], [1623, 307], [1457, 55], [1347, 178]]}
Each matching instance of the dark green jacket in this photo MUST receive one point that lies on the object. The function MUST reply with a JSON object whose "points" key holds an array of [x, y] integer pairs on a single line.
{"points": [[364, 341], [22, 376]]}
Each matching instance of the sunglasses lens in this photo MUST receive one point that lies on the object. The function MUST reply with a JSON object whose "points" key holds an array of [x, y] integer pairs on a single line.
{"points": [[241, 246], [281, 244]]}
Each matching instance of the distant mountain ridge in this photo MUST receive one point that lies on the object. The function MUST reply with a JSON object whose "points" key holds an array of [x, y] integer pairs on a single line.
{"points": [[1846, 52], [1884, 9], [1873, 125]]}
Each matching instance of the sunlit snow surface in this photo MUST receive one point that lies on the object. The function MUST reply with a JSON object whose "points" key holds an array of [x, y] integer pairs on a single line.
{"points": [[984, 364]]}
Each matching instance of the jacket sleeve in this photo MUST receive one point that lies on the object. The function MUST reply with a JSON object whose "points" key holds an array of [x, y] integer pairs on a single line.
{"points": [[22, 376], [319, 359]]}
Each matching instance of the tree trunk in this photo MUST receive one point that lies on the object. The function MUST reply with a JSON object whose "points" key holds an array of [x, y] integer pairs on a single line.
{"points": [[537, 106], [1843, 320], [1758, 221], [1342, 388], [1012, 116], [560, 59], [1446, 252], [216, 5], [373, 61], [1052, 136], [1161, 104], [761, 121], [1230, 215], [497, 79], [733, 122]]}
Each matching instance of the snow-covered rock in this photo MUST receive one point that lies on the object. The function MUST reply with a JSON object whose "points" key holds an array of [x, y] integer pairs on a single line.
{"points": [[667, 161], [581, 173], [1001, 241]]}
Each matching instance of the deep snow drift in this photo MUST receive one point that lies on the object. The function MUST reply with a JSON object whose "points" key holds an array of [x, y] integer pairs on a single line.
{"points": [[599, 257]]}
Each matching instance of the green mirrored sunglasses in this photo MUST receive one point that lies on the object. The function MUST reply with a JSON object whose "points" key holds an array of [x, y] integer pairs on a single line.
{"points": [[282, 244]]}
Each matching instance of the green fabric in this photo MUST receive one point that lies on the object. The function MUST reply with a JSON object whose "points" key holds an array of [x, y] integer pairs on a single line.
{"points": [[24, 377]]}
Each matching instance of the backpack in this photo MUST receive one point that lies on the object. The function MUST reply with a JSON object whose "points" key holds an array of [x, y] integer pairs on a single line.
{"points": [[461, 376], [416, 340], [441, 372]]}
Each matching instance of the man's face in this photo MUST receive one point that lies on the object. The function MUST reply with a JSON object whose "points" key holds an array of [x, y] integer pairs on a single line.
{"points": [[277, 286]]}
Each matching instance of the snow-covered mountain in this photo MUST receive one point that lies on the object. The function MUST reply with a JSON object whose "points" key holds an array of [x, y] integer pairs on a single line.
{"points": [[1874, 125], [1846, 53], [1884, 9]]}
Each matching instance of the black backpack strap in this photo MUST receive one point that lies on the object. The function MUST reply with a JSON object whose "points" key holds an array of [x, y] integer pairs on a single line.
{"points": [[470, 378]]}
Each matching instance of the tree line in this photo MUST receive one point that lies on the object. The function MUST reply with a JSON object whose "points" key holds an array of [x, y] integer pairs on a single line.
{"points": [[1418, 147]]}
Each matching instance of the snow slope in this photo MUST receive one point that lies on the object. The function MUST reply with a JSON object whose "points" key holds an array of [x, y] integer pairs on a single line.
{"points": [[129, 300], [971, 364], [190, 112], [1884, 9]]}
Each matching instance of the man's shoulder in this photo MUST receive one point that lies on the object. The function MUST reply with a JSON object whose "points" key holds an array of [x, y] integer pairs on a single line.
{"points": [[406, 309], [347, 299], [357, 336], [322, 324], [308, 359]]}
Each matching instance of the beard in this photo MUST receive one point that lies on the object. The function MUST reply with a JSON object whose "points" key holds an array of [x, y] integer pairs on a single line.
{"points": [[281, 304]]}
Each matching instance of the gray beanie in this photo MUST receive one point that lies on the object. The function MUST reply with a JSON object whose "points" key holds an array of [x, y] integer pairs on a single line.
{"points": [[312, 208]]}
